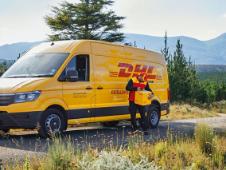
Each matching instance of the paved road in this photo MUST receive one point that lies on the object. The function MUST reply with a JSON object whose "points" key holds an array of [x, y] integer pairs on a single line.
{"points": [[19, 144]]}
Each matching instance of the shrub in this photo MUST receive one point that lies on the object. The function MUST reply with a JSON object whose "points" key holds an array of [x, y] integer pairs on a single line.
{"points": [[183, 153], [160, 149], [135, 139], [27, 164], [114, 161], [60, 156], [219, 153], [204, 136], [219, 106]]}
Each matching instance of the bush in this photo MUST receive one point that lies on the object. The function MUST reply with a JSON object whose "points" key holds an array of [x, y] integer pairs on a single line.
{"points": [[219, 107], [60, 156], [160, 149], [182, 153], [204, 136], [114, 161], [26, 164], [219, 154]]}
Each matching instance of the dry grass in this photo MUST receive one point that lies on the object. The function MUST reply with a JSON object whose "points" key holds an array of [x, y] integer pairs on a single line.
{"points": [[205, 151], [219, 107], [179, 154], [204, 137], [186, 111]]}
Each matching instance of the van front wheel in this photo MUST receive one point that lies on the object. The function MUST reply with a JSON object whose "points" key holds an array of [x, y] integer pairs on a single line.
{"points": [[51, 123], [153, 116]]}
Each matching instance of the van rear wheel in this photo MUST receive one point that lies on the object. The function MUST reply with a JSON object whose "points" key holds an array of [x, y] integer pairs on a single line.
{"points": [[153, 116], [51, 123], [110, 124]]}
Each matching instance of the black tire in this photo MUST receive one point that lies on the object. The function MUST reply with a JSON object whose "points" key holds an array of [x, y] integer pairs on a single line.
{"points": [[52, 122], [5, 130], [110, 124], [153, 116]]}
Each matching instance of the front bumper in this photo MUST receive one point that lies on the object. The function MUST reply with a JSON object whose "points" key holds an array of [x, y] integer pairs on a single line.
{"points": [[27, 120]]}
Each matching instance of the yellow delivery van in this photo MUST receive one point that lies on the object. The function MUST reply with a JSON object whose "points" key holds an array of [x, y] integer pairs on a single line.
{"points": [[57, 84]]}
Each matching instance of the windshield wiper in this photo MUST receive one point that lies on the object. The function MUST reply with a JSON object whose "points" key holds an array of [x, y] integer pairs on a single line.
{"points": [[41, 75], [18, 76]]}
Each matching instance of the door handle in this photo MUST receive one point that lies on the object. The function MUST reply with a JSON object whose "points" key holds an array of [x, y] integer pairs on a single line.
{"points": [[99, 88], [89, 88]]}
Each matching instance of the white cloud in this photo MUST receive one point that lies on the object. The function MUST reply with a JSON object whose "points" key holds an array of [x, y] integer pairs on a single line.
{"points": [[224, 15]]}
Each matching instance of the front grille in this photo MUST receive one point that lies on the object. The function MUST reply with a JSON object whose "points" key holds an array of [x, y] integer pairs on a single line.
{"points": [[6, 99]]}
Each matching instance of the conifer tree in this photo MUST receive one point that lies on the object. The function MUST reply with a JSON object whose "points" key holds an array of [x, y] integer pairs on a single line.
{"points": [[184, 83], [88, 19], [183, 79], [165, 50]]}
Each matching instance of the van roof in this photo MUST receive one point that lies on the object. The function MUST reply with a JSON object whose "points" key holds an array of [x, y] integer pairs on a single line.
{"points": [[69, 45]]}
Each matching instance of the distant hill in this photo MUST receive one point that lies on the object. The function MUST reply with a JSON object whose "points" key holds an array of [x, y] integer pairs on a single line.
{"points": [[215, 73], [211, 68], [202, 52], [12, 51]]}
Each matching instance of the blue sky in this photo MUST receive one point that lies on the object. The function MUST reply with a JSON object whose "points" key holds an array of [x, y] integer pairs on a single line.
{"points": [[22, 20]]}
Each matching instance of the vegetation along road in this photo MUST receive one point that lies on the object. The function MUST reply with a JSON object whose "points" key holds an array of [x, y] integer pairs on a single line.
{"points": [[17, 144]]}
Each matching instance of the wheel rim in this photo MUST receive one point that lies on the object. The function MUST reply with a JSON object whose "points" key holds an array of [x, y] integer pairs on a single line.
{"points": [[154, 117], [53, 124]]}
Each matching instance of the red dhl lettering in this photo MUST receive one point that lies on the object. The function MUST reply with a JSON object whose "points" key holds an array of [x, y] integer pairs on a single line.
{"points": [[128, 70]]}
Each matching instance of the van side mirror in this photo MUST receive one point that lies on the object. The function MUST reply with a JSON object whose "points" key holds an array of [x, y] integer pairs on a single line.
{"points": [[72, 75]]}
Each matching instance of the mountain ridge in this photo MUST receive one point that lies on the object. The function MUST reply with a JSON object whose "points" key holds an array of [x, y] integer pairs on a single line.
{"points": [[208, 52], [201, 52]]}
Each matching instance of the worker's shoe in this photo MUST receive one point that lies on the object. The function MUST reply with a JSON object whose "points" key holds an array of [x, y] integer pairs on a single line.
{"points": [[134, 132]]}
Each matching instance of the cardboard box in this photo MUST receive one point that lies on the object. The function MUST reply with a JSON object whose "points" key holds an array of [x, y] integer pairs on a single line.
{"points": [[142, 98]]}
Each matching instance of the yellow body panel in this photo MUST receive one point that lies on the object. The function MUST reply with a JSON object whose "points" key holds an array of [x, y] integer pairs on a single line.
{"points": [[110, 68]]}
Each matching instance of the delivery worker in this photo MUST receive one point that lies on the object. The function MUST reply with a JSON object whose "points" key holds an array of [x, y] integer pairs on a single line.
{"points": [[135, 84]]}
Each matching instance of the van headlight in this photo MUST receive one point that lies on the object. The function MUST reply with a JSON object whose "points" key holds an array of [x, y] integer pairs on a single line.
{"points": [[26, 97]]}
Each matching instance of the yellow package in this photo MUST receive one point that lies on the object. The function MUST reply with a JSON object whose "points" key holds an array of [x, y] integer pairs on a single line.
{"points": [[142, 98]]}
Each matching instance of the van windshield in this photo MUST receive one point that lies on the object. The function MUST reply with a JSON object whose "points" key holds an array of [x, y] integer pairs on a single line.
{"points": [[36, 65]]}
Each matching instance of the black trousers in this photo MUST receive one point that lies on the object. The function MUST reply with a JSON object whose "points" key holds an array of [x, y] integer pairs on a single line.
{"points": [[133, 108]]}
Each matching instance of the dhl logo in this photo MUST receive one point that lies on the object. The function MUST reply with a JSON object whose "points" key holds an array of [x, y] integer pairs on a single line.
{"points": [[128, 70]]}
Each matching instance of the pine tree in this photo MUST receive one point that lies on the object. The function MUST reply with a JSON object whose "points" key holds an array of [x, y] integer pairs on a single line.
{"points": [[165, 50], [184, 83], [178, 82], [87, 19], [168, 57], [183, 79]]}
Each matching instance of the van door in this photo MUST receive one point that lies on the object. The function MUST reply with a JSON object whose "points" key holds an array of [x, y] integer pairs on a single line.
{"points": [[111, 96], [79, 95]]}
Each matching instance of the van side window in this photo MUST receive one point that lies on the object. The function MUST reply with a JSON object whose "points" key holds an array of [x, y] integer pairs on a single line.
{"points": [[80, 64]]}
